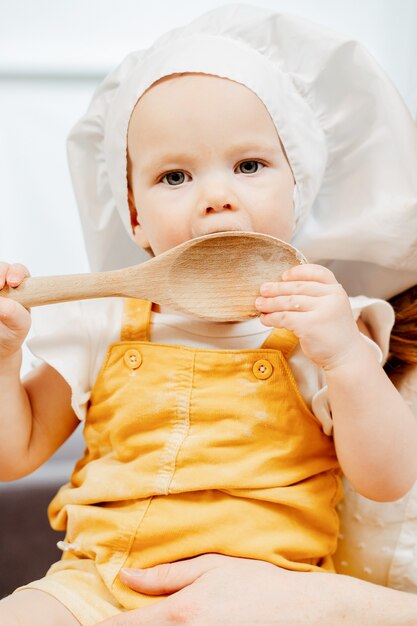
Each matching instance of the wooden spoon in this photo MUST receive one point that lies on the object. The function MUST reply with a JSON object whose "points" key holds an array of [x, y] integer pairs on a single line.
{"points": [[215, 277]]}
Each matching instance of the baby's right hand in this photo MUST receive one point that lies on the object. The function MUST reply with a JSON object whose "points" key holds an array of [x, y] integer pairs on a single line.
{"points": [[14, 318]]}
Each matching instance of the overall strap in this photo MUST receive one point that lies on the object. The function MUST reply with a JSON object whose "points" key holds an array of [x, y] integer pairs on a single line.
{"points": [[136, 320], [281, 339]]}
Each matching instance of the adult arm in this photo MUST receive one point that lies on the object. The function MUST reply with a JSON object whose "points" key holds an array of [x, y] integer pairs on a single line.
{"points": [[214, 590]]}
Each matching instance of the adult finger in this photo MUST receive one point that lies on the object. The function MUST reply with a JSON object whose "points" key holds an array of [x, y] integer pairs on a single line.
{"points": [[169, 577], [162, 613]]}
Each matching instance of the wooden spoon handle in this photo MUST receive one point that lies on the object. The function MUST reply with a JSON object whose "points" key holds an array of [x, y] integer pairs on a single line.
{"points": [[51, 289]]}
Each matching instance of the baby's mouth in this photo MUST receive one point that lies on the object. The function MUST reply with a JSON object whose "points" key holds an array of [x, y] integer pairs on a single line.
{"points": [[222, 229]]}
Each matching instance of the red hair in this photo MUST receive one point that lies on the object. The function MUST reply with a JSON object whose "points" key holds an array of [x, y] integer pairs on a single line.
{"points": [[403, 343]]}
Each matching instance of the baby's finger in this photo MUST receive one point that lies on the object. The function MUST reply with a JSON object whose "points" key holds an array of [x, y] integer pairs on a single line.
{"points": [[13, 315], [3, 271], [281, 319], [285, 303], [310, 271], [286, 288], [16, 273]]}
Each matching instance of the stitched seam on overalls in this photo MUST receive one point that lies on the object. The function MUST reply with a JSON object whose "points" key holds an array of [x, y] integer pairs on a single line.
{"points": [[187, 422], [179, 430], [125, 554]]}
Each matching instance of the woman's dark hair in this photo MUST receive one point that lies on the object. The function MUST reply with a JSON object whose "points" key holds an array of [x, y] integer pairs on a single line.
{"points": [[403, 342]]}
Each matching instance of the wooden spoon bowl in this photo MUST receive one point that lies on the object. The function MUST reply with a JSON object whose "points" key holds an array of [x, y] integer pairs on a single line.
{"points": [[218, 276]]}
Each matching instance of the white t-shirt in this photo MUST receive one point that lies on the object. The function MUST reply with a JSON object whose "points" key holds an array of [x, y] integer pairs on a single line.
{"points": [[73, 338]]}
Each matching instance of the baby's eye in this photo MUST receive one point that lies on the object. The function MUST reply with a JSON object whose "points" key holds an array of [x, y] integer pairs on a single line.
{"points": [[249, 167], [174, 178]]}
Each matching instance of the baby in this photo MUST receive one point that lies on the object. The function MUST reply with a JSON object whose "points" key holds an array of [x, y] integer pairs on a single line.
{"points": [[200, 437]]}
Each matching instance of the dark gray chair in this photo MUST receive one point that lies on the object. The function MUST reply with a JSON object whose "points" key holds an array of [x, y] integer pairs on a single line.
{"points": [[27, 543]]}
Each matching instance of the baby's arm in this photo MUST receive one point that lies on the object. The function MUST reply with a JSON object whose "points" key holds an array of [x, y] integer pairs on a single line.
{"points": [[375, 432], [35, 414]]}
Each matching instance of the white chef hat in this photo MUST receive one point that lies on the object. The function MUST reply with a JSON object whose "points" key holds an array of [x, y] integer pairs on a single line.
{"points": [[349, 139]]}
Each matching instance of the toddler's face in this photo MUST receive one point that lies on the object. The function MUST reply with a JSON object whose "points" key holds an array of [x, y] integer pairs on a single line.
{"points": [[205, 156]]}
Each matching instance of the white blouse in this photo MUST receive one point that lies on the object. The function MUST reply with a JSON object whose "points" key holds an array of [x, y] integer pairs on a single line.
{"points": [[378, 540]]}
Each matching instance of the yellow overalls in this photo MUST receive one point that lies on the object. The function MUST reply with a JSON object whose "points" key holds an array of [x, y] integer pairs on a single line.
{"points": [[192, 451]]}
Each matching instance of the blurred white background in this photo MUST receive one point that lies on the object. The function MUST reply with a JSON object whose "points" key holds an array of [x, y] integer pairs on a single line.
{"points": [[54, 52]]}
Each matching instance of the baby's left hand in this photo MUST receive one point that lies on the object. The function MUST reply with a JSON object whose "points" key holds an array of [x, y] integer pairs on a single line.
{"points": [[310, 302]]}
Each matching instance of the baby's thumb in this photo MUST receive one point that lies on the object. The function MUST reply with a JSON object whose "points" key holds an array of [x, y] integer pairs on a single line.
{"points": [[168, 577], [14, 316]]}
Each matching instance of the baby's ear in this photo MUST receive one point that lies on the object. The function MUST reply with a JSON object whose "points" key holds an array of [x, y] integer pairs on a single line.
{"points": [[132, 207], [138, 234], [140, 238]]}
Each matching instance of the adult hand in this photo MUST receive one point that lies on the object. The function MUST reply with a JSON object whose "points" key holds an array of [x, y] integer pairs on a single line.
{"points": [[214, 590]]}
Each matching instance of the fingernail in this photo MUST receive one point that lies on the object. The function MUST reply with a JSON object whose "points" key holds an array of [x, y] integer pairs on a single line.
{"points": [[284, 275], [259, 302], [12, 278]]}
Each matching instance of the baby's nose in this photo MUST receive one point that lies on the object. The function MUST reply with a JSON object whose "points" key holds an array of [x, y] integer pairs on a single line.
{"points": [[218, 207]]}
